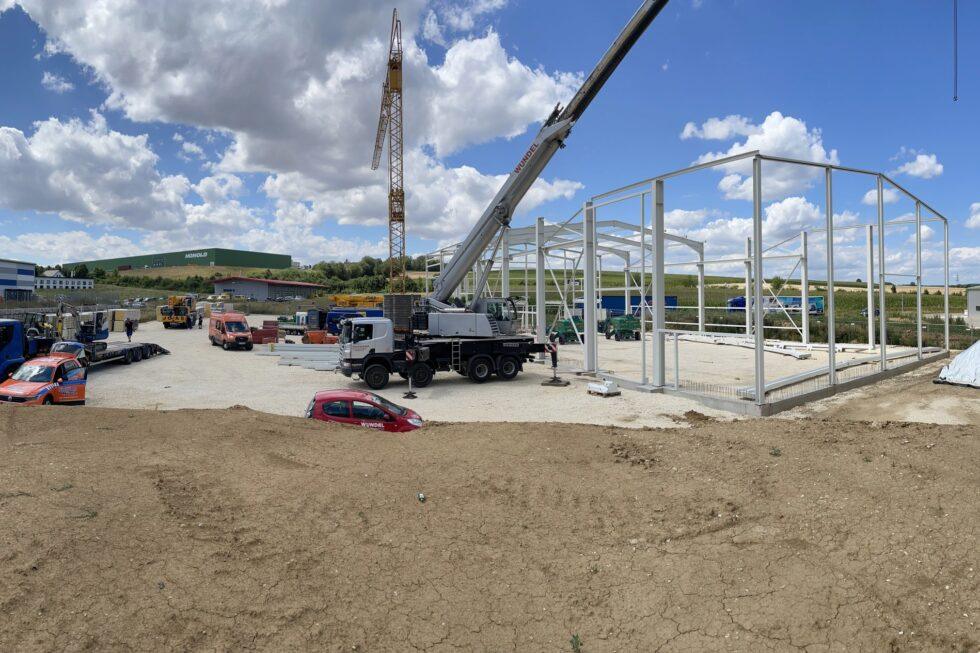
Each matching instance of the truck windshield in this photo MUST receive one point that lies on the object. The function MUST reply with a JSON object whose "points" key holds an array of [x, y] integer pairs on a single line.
{"points": [[235, 327], [34, 374], [387, 405]]}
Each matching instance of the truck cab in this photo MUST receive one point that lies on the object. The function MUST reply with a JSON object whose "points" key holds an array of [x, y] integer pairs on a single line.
{"points": [[228, 330], [17, 345], [362, 337]]}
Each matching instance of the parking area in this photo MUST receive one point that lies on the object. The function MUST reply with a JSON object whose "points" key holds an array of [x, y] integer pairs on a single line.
{"points": [[198, 375]]}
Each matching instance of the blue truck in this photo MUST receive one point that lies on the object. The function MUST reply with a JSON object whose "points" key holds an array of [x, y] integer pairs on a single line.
{"points": [[16, 346]]}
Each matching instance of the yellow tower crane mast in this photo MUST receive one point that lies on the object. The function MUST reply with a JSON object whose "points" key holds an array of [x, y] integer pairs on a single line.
{"points": [[390, 125]]}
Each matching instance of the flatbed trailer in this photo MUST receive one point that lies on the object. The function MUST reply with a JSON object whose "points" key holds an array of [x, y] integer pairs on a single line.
{"points": [[421, 357], [97, 353]]}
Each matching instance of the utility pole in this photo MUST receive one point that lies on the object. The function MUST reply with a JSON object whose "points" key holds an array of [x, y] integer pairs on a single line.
{"points": [[390, 124]]}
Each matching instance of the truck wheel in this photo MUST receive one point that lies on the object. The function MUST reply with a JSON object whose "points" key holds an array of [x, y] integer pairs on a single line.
{"points": [[508, 368], [214, 343], [421, 375], [224, 346], [480, 369], [166, 325], [137, 355], [636, 335], [127, 357], [376, 376], [248, 347], [561, 340], [608, 335], [618, 336]]}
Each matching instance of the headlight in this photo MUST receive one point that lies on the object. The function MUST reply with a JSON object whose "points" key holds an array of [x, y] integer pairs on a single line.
{"points": [[415, 421]]}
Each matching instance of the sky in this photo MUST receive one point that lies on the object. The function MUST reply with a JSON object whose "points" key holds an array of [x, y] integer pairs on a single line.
{"points": [[131, 127]]}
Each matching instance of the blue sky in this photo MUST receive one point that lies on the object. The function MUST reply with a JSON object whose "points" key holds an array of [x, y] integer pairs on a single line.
{"points": [[221, 139]]}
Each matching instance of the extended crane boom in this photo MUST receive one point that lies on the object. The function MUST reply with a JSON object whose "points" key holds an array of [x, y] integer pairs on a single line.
{"points": [[548, 141]]}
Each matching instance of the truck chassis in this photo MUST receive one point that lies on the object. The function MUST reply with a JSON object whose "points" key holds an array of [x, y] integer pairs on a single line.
{"points": [[420, 358]]}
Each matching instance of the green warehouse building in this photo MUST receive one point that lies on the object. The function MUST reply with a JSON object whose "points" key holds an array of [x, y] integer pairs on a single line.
{"points": [[209, 257]]}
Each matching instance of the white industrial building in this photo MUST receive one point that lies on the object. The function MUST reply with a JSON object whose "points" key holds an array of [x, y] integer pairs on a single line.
{"points": [[16, 280], [55, 280], [261, 290]]}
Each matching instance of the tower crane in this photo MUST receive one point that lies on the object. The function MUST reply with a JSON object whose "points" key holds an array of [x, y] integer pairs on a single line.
{"points": [[390, 125]]}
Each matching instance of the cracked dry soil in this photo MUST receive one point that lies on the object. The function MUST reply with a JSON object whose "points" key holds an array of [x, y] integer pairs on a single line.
{"points": [[237, 530]]}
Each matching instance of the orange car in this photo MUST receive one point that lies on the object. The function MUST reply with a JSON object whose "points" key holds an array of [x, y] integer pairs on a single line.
{"points": [[46, 380]]}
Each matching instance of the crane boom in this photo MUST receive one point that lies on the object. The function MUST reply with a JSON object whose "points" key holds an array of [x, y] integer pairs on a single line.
{"points": [[549, 140]]}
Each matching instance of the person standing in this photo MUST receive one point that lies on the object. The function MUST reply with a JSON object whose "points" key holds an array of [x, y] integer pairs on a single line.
{"points": [[129, 329]]}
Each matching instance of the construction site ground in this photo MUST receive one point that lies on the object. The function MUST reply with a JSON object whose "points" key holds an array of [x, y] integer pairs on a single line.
{"points": [[239, 530], [198, 375]]}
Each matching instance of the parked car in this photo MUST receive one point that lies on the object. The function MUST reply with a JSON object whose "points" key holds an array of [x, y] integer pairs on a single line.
{"points": [[46, 380], [360, 408], [864, 312]]}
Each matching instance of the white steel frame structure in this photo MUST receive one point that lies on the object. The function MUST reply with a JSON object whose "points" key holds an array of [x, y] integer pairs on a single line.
{"points": [[582, 241]]}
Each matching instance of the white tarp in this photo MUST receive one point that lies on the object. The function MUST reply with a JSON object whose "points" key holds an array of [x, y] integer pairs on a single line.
{"points": [[964, 369]]}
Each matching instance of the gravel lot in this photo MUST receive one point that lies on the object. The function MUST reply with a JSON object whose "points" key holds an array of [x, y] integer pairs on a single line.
{"points": [[197, 375]]}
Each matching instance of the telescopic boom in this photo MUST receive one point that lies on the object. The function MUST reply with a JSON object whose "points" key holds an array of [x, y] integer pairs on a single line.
{"points": [[548, 141]]}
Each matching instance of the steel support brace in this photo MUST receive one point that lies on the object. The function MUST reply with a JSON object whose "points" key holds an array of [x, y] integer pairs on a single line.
{"points": [[591, 358], [760, 331], [701, 312], [657, 284], [945, 284]]}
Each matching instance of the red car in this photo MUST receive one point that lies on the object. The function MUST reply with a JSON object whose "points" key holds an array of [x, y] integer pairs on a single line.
{"points": [[46, 380], [362, 409]]}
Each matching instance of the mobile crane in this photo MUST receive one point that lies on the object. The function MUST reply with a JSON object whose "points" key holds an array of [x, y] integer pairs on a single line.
{"points": [[479, 340]]}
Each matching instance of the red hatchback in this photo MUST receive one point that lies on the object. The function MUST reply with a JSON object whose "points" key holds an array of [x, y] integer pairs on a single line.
{"points": [[362, 409]]}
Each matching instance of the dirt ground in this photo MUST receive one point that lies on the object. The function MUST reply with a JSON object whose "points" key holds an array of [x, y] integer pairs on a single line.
{"points": [[238, 530]]}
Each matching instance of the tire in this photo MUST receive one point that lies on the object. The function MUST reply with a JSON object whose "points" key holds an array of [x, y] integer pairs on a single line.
{"points": [[376, 376], [618, 336], [508, 368], [480, 369], [166, 325], [225, 346], [608, 335], [248, 347], [127, 357], [214, 343], [421, 375], [636, 335], [47, 401], [137, 354], [561, 340]]}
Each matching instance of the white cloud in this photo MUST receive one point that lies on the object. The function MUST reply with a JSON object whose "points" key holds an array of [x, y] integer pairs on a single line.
{"points": [[87, 173], [973, 222], [721, 129], [888, 196], [66, 246], [190, 149], [924, 166], [56, 83], [777, 135], [299, 97]]}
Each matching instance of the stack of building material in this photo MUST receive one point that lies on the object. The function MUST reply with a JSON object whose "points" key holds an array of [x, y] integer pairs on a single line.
{"points": [[269, 333], [325, 358], [964, 369], [119, 316]]}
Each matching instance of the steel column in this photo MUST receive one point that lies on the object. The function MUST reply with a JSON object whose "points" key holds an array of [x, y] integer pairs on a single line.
{"points": [[505, 263], [627, 298], [918, 278], [805, 288], [588, 291], [882, 312], [657, 283], [760, 330], [540, 313], [748, 286], [701, 312], [871, 286], [946, 285], [830, 313], [644, 308]]}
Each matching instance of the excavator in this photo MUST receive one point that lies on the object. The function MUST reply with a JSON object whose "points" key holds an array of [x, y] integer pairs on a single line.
{"points": [[481, 339]]}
